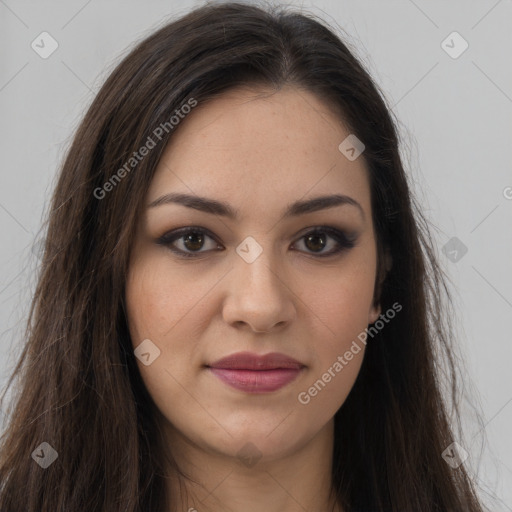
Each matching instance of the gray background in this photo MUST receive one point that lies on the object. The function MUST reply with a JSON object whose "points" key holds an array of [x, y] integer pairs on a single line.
{"points": [[455, 119]]}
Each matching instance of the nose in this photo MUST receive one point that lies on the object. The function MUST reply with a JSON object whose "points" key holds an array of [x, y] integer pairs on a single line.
{"points": [[259, 295]]}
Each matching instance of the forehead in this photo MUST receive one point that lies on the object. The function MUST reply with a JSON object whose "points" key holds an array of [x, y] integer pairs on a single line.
{"points": [[257, 148]]}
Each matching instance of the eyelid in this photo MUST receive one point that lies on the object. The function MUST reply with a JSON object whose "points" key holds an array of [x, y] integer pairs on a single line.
{"points": [[345, 240], [171, 236]]}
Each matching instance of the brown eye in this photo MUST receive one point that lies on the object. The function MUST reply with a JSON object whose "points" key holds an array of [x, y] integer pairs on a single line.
{"points": [[191, 239], [315, 241], [194, 241]]}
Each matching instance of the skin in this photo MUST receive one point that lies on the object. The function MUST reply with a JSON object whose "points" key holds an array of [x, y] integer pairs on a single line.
{"points": [[258, 152]]}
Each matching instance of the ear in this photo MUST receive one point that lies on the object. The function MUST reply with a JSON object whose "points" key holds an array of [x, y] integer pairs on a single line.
{"points": [[374, 313], [375, 310]]}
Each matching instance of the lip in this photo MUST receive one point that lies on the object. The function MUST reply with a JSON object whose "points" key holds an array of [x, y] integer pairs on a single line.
{"points": [[255, 373]]}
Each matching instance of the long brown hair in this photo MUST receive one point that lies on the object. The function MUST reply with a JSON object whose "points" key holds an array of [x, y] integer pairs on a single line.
{"points": [[79, 389]]}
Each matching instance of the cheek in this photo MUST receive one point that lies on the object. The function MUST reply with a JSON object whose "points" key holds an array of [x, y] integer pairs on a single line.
{"points": [[158, 305], [337, 347], [338, 309], [158, 300], [335, 330], [341, 298], [168, 306]]}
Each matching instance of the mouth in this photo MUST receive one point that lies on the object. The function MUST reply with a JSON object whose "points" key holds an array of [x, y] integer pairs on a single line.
{"points": [[253, 373]]}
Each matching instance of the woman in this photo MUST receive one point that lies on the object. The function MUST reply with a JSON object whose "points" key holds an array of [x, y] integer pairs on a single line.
{"points": [[193, 344]]}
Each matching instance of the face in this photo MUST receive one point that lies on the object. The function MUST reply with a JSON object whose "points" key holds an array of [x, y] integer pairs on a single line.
{"points": [[253, 274]]}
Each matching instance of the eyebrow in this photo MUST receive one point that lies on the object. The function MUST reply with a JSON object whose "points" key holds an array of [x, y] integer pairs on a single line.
{"points": [[215, 207]]}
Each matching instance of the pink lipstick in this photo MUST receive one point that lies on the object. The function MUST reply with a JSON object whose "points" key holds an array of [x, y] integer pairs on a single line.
{"points": [[253, 373]]}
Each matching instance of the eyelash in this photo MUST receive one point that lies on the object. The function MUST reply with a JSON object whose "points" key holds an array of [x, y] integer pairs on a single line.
{"points": [[344, 241]]}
